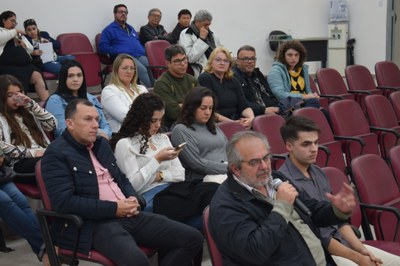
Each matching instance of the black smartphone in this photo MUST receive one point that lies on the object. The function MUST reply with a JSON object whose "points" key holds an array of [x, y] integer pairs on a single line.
{"points": [[180, 146]]}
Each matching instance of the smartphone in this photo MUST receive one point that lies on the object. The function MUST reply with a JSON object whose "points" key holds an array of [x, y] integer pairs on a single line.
{"points": [[180, 146]]}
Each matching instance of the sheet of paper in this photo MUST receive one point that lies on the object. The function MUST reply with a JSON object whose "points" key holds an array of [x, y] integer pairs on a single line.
{"points": [[48, 52]]}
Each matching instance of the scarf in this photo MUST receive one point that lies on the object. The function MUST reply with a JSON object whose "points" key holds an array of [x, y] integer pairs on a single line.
{"points": [[297, 81], [209, 40]]}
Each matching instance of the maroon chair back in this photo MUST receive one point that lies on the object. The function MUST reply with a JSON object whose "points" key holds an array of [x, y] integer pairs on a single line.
{"points": [[336, 179], [360, 81], [269, 125], [215, 255], [376, 185], [394, 159], [78, 45], [331, 84], [381, 115], [230, 128], [326, 139], [394, 99], [387, 74], [155, 55], [347, 119]]}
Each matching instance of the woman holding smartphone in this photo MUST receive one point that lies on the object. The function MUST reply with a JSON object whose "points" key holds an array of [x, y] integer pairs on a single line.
{"points": [[22, 127], [144, 154]]}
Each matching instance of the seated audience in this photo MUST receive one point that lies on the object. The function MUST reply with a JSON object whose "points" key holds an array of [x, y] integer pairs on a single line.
{"points": [[143, 154], [184, 17], [174, 84], [82, 178], [17, 214], [199, 41], [72, 85], [153, 30], [218, 76], [204, 153], [35, 37], [288, 77], [252, 224], [118, 95], [22, 128], [15, 56], [301, 138], [121, 38], [254, 84]]}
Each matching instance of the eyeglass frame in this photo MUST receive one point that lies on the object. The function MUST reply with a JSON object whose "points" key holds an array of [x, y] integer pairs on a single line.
{"points": [[184, 60], [122, 12], [222, 61], [248, 59], [256, 162]]}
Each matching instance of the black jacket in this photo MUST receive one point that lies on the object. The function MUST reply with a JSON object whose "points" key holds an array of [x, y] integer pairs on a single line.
{"points": [[72, 186], [245, 81], [247, 232]]}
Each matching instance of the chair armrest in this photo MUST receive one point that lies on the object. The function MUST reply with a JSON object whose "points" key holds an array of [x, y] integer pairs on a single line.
{"points": [[42, 217], [388, 88], [390, 209], [359, 140], [360, 92], [327, 152], [389, 130], [331, 96]]}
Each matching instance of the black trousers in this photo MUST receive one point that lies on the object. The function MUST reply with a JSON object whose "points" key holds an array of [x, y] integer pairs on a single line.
{"points": [[118, 239]]}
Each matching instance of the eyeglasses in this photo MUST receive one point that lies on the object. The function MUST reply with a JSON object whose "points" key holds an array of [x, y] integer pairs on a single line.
{"points": [[222, 61], [13, 21], [127, 69], [180, 61], [248, 59], [122, 12], [256, 162], [155, 15]]}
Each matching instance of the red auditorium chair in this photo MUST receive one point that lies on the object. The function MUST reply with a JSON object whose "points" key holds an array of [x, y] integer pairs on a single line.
{"points": [[332, 86], [230, 128], [105, 59], [324, 102], [387, 76], [394, 99], [155, 55], [215, 255]]}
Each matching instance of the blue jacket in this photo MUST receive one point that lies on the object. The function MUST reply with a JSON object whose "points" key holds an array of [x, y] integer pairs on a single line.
{"points": [[116, 40], [248, 232], [71, 183], [56, 105], [279, 81]]}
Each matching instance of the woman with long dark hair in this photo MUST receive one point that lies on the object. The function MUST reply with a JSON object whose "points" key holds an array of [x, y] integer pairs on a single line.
{"points": [[22, 126], [144, 154], [15, 56], [204, 153], [72, 85]]}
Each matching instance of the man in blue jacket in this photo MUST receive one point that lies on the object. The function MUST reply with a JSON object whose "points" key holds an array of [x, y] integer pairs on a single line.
{"points": [[82, 178], [120, 37]]}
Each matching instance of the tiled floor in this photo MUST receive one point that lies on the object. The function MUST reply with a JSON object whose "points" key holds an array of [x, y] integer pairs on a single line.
{"points": [[23, 256]]}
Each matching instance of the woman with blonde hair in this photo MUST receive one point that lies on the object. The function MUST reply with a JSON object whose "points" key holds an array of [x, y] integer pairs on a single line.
{"points": [[118, 95], [218, 76]]}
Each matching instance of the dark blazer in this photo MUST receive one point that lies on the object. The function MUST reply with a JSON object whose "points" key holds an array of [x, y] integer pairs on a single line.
{"points": [[245, 81], [71, 183], [247, 232], [149, 33]]}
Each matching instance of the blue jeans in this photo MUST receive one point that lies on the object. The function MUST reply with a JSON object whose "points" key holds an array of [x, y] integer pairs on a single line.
{"points": [[16, 213], [55, 66], [149, 196], [141, 64]]}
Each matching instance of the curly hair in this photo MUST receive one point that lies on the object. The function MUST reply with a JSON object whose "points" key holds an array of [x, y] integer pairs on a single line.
{"points": [[18, 136], [114, 75], [138, 119], [209, 69], [295, 45], [62, 88], [193, 101]]}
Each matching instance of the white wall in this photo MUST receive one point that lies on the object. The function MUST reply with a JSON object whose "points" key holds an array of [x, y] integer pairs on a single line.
{"points": [[236, 22]]}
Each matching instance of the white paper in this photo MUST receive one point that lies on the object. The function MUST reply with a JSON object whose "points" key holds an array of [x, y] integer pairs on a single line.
{"points": [[47, 52]]}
